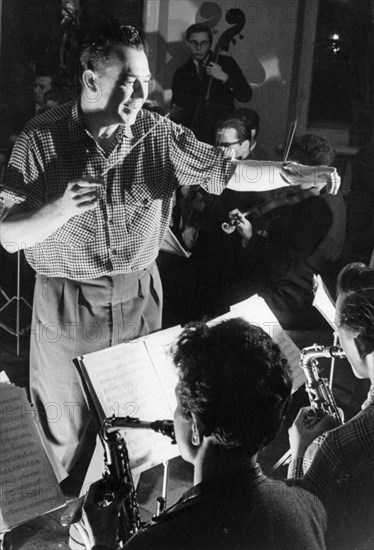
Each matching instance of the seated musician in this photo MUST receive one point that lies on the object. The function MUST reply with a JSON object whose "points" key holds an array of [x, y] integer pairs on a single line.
{"points": [[232, 394], [192, 215], [342, 472], [239, 133], [276, 252]]}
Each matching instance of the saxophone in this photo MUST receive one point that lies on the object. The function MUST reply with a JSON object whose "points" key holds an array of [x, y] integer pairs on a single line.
{"points": [[322, 401], [117, 469], [321, 398]]}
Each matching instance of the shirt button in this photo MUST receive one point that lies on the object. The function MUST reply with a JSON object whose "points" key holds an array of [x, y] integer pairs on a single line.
{"points": [[110, 221], [145, 201], [114, 251]]}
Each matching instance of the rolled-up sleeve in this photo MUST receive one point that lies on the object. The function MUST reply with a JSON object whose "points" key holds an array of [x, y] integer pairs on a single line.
{"points": [[197, 163], [24, 181]]}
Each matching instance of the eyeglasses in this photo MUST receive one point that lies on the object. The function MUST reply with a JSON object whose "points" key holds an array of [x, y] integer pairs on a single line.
{"points": [[202, 44], [228, 143]]}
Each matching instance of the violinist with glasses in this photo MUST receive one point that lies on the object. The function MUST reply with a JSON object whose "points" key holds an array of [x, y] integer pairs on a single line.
{"points": [[272, 242]]}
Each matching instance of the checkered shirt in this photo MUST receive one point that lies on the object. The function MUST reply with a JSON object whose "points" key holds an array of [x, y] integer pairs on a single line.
{"points": [[342, 476], [125, 231]]}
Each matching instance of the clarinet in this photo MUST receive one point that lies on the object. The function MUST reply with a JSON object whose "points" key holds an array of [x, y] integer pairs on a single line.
{"points": [[117, 469], [321, 399]]}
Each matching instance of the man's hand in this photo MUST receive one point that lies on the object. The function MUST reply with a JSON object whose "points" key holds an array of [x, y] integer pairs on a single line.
{"points": [[215, 71], [302, 433], [80, 195], [99, 522], [243, 226], [23, 228]]}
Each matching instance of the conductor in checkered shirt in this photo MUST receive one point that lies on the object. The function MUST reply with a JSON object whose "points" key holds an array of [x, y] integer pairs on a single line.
{"points": [[91, 207], [90, 201]]}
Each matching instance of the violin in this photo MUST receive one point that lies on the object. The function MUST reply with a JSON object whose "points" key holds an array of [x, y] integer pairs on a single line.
{"points": [[293, 197]]}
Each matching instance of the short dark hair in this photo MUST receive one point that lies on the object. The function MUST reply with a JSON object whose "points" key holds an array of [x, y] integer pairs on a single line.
{"points": [[199, 27], [312, 150], [236, 378], [356, 288], [243, 120], [98, 41]]}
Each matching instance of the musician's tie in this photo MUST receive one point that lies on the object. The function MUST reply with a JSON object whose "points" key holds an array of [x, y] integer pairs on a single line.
{"points": [[200, 69]]}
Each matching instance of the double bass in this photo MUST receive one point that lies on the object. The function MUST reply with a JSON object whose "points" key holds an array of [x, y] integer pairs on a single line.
{"points": [[207, 111]]}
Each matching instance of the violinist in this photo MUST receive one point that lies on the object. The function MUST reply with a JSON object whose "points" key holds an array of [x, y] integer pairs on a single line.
{"points": [[240, 133], [294, 237], [224, 77]]}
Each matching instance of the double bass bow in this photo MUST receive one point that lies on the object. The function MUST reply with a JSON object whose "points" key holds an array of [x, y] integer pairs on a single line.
{"points": [[236, 18]]}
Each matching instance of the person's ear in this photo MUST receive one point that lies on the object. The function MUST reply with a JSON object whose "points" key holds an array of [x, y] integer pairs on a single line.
{"points": [[246, 144], [197, 430], [363, 346], [253, 134], [365, 349], [89, 80]]}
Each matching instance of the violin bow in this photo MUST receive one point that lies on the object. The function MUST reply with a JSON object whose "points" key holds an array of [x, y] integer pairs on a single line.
{"points": [[291, 133]]}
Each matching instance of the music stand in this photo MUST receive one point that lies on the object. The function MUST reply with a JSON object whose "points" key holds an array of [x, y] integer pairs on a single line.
{"points": [[18, 300]]}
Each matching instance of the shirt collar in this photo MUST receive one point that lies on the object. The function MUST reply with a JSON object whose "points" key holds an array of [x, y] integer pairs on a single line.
{"points": [[370, 398], [76, 127], [252, 474], [204, 62], [125, 131]]}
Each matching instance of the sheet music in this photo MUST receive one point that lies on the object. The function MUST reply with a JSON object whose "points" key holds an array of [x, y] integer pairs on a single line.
{"points": [[224, 317], [323, 301], [126, 384], [256, 311], [158, 346], [28, 484]]}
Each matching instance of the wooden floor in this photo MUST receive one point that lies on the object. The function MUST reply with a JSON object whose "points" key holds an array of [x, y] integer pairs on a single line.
{"points": [[46, 533]]}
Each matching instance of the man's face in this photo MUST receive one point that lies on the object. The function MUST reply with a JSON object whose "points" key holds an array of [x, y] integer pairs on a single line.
{"points": [[228, 137], [347, 342], [122, 86], [198, 44], [41, 85]]}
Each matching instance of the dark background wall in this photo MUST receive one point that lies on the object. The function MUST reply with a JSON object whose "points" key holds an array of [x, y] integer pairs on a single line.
{"points": [[32, 33]]}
